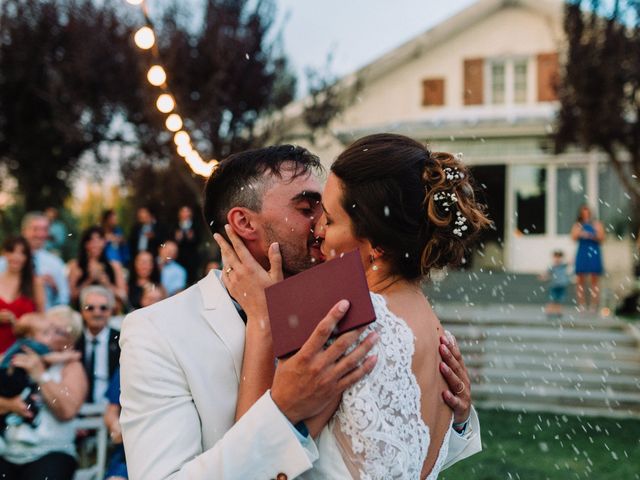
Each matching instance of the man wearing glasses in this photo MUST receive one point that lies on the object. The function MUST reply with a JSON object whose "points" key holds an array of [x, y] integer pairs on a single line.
{"points": [[98, 343]]}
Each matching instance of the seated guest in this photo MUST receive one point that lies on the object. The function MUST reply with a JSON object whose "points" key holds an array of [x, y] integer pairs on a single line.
{"points": [[49, 267], [35, 333], [20, 290], [47, 449], [93, 267], [98, 343], [173, 276], [144, 274]]}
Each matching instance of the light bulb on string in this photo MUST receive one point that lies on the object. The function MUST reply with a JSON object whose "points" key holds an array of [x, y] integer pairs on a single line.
{"points": [[165, 103], [144, 38], [156, 75], [173, 122], [184, 149], [181, 138]]}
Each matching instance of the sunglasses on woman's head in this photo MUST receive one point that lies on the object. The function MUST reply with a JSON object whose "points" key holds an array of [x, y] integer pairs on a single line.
{"points": [[91, 308]]}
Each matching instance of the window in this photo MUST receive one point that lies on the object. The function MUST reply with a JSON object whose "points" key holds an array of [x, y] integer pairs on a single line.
{"points": [[433, 92], [497, 83], [520, 81], [570, 184], [507, 81]]}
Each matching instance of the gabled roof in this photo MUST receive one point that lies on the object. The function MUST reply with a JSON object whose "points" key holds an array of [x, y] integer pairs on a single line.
{"points": [[441, 32]]}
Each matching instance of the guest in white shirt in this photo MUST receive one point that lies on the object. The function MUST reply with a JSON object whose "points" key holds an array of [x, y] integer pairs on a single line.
{"points": [[98, 343], [173, 276], [49, 267]]}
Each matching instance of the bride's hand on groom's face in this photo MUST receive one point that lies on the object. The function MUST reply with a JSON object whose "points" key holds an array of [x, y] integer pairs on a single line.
{"points": [[454, 371], [244, 277], [309, 382]]}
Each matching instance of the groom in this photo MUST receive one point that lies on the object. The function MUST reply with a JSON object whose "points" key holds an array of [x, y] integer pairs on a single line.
{"points": [[181, 358]]}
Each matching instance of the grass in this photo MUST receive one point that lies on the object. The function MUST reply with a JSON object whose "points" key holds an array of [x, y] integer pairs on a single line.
{"points": [[536, 446]]}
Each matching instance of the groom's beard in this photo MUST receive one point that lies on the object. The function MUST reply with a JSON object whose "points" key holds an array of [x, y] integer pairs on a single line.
{"points": [[296, 256]]}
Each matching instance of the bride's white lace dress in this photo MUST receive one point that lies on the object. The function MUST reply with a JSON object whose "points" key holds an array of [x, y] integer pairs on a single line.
{"points": [[377, 431]]}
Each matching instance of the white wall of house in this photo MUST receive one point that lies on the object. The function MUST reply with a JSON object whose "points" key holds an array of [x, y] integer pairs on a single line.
{"points": [[391, 98], [397, 96]]}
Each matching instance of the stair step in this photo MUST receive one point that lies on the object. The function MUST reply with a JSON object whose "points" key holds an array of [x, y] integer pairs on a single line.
{"points": [[538, 319], [544, 334], [549, 394], [536, 363], [497, 376], [552, 350], [582, 411]]}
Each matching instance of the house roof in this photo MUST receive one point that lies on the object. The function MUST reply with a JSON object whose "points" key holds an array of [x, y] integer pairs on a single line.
{"points": [[431, 38]]}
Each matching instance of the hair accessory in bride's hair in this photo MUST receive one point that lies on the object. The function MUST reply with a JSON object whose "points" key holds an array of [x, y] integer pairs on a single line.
{"points": [[453, 173], [445, 199], [460, 224]]}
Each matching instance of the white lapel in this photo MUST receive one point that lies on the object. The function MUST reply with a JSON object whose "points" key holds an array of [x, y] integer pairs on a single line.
{"points": [[222, 316]]}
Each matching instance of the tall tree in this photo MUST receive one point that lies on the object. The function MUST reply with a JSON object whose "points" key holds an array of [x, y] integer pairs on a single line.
{"points": [[600, 88], [58, 97]]}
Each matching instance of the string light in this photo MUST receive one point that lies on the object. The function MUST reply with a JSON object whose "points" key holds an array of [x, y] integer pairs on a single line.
{"points": [[165, 103], [181, 138], [145, 39], [184, 149], [173, 122], [156, 76]]}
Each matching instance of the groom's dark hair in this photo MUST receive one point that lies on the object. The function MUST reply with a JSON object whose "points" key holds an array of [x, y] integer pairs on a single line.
{"points": [[240, 180]]}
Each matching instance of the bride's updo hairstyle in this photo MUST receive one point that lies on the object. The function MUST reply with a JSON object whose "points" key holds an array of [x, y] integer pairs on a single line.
{"points": [[417, 206]]}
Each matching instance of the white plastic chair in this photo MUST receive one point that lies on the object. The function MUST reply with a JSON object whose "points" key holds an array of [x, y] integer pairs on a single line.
{"points": [[91, 418]]}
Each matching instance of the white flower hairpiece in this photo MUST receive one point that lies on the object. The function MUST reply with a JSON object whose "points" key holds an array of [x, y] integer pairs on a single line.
{"points": [[460, 224], [445, 199], [453, 173]]}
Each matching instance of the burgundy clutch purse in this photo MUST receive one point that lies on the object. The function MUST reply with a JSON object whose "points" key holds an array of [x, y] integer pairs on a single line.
{"points": [[297, 304]]}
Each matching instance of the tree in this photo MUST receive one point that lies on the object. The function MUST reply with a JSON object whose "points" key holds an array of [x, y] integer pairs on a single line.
{"points": [[600, 88], [226, 73], [58, 98]]}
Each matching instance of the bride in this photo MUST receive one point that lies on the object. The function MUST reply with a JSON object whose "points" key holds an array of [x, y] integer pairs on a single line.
{"points": [[408, 211]]}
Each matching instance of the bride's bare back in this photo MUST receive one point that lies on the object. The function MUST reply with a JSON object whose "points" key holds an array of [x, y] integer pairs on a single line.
{"points": [[410, 305]]}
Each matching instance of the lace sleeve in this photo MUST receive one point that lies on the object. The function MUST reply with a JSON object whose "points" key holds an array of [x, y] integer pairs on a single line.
{"points": [[378, 426]]}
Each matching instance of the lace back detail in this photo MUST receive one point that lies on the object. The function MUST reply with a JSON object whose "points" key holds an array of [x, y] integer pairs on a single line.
{"points": [[378, 425]]}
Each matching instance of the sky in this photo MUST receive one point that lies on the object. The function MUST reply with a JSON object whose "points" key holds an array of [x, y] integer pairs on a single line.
{"points": [[356, 31]]}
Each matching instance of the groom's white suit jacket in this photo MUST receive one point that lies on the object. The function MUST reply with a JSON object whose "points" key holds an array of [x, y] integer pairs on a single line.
{"points": [[180, 364]]}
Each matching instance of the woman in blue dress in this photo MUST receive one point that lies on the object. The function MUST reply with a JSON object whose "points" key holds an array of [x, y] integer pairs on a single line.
{"points": [[589, 234]]}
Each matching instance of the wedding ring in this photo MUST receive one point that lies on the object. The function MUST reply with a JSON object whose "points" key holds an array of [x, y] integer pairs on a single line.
{"points": [[228, 270], [461, 389]]}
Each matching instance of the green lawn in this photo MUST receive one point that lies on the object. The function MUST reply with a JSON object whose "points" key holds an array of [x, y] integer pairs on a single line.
{"points": [[546, 446]]}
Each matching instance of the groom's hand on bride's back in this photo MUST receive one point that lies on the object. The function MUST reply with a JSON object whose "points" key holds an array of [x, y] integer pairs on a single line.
{"points": [[307, 382]]}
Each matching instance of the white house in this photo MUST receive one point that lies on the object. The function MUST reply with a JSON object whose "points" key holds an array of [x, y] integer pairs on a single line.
{"points": [[482, 83]]}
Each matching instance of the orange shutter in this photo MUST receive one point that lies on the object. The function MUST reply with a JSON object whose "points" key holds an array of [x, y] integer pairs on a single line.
{"points": [[473, 81], [548, 76], [433, 92]]}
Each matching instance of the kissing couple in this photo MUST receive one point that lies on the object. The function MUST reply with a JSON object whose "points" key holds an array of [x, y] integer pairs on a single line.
{"points": [[202, 395]]}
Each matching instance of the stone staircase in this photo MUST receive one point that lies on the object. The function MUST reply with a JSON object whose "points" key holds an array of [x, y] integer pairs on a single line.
{"points": [[519, 359]]}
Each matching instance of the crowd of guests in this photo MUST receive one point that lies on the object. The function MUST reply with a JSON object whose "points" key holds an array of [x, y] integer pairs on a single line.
{"points": [[58, 329]]}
